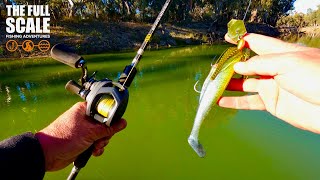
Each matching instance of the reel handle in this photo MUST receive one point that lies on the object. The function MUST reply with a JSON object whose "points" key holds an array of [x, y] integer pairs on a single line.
{"points": [[64, 54], [73, 87]]}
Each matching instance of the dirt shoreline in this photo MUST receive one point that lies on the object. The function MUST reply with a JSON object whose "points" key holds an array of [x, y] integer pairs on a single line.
{"points": [[99, 37]]}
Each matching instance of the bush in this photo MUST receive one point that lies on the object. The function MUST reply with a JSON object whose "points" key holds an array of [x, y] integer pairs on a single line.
{"points": [[1, 50]]}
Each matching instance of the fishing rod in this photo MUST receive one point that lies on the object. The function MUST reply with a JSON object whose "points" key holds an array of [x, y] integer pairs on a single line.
{"points": [[106, 99]]}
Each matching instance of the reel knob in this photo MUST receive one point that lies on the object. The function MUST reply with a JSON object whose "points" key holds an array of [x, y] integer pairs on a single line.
{"points": [[64, 54]]}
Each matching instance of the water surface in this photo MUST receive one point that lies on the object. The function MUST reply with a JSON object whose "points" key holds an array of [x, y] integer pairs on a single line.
{"points": [[240, 144]]}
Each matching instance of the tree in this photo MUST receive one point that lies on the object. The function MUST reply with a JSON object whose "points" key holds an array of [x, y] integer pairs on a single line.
{"points": [[218, 11]]}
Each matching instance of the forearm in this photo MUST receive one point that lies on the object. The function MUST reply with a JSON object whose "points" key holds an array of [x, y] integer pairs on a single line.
{"points": [[21, 157]]}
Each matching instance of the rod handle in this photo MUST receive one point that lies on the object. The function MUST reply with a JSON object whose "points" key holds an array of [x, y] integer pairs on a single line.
{"points": [[80, 162], [83, 158]]}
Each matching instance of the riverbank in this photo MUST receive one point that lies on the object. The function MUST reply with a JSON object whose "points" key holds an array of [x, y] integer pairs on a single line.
{"points": [[313, 31], [99, 37]]}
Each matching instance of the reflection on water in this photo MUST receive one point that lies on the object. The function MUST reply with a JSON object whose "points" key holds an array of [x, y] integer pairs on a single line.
{"points": [[198, 75], [8, 100], [118, 75], [23, 93]]}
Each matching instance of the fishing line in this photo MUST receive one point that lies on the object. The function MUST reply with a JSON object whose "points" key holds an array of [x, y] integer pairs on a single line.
{"points": [[214, 59], [245, 15], [195, 87]]}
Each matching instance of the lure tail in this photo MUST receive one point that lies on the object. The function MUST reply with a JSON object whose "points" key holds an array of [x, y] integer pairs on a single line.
{"points": [[196, 146]]}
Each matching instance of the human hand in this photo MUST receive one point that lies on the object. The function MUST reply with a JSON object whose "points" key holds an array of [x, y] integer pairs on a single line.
{"points": [[288, 85], [72, 133]]}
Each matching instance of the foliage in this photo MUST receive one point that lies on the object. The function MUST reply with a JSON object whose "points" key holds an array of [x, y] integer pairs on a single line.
{"points": [[312, 18], [219, 11], [1, 50]]}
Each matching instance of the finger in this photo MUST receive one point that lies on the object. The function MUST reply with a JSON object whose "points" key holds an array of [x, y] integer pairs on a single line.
{"points": [[102, 130], [118, 125], [246, 85], [101, 143], [267, 45], [248, 102], [97, 152], [267, 65]]}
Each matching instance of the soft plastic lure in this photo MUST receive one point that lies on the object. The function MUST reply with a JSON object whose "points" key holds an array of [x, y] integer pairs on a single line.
{"points": [[218, 80]]}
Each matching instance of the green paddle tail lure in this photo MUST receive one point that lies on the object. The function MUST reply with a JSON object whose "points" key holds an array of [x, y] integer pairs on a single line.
{"points": [[218, 80]]}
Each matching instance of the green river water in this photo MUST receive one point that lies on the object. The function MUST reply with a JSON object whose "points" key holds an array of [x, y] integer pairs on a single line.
{"points": [[240, 144]]}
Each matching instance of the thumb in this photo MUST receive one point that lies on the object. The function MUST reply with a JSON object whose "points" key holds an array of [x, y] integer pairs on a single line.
{"points": [[261, 44], [265, 65]]}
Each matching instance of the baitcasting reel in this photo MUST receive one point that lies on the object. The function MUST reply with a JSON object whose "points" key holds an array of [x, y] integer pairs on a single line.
{"points": [[106, 100]]}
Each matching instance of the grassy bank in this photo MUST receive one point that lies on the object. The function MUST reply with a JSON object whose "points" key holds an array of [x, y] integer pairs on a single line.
{"points": [[313, 31]]}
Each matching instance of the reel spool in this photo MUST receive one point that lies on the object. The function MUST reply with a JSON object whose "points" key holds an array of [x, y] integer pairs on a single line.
{"points": [[107, 101], [105, 105]]}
